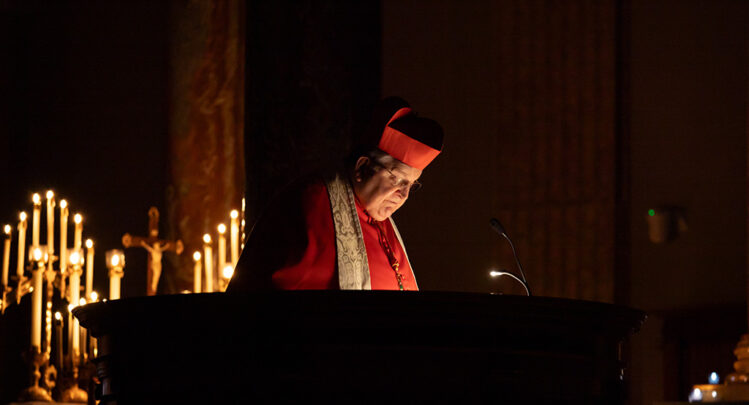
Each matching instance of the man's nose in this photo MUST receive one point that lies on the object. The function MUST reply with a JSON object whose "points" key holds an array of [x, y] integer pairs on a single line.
{"points": [[404, 190]]}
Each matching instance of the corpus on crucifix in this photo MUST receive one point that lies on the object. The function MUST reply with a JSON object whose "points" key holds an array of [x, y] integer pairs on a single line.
{"points": [[155, 247]]}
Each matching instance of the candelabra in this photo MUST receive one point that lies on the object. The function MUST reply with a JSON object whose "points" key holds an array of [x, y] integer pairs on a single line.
{"points": [[49, 369], [38, 357]]}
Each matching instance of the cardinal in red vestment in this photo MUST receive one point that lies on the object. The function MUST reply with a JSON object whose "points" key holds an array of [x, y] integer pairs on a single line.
{"points": [[336, 232]]}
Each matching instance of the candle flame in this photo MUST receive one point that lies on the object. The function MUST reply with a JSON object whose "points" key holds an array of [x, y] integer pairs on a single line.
{"points": [[94, 296], [7, 229], [74, 257], [234, 214], [82, 301], [22, 216], [70, 307], [89, 243], [36, 199], [77, 218], [115, 260], [207, 238], [58, 316], [63, 203], [196, 256], [50, 194], [221, 228], [228, 271], [37, 254]]}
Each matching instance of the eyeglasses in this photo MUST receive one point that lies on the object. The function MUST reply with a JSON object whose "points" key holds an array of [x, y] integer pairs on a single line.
{"points": [[398, 181]]}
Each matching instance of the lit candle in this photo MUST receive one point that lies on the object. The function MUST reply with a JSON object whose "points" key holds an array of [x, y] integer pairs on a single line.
{"points": [[227, 272], [81, 335], [234, 237], [75, 293], [63, 236], [89, 267], [36, 302], [197, 272], [92, 349], [50, 225], [208, 254], [37, 200], [71, 332], [78, 219], [116, 263], [221, 246], [58, 342], [6, 258], [21, 245], [92, 346]]}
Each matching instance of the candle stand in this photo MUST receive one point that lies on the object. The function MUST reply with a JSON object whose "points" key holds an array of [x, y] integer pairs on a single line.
{"points": [[11, 295], [72, 392], [37, 361]]}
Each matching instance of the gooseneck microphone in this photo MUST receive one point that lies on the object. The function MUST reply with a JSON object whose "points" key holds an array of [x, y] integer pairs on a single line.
{"points": [[497, 226]]}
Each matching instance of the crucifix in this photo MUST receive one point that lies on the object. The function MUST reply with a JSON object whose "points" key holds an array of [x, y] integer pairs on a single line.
{"points": [[155, 247]]}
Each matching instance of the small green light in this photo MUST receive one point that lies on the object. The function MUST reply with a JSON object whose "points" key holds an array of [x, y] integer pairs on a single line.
{"points": [[651, 212]]}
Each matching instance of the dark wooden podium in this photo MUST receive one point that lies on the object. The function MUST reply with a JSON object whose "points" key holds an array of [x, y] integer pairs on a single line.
{"points": [[358, 347]]}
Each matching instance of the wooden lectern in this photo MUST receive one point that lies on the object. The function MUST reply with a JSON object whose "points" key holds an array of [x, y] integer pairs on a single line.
{"points": [[358, 347]]}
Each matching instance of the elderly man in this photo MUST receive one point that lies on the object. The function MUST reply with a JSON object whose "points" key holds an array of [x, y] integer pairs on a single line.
{"points": [[337, 233]]}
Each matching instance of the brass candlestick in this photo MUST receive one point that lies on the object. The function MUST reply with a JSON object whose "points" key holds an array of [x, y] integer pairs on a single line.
{"points": [[34, 392], [73, 393]]}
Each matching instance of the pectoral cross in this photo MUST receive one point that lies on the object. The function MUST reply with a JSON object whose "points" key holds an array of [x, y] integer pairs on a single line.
{"points": [[155, 248]]}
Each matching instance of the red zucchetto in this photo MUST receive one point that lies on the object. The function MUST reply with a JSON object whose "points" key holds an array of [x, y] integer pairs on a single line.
{"points": [[413, 140]]}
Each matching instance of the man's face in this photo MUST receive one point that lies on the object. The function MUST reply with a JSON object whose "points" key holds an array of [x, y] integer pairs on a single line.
{"points": [[387, 189]]}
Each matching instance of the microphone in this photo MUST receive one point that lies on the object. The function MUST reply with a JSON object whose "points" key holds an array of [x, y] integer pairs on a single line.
{"points": [[497, 226]]}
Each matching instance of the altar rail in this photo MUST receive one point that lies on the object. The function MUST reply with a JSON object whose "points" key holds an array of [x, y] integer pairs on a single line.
{"points": [[359, 347]]}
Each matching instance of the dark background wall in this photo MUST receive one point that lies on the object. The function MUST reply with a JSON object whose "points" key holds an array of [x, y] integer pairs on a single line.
{"points": [[688, 148]]}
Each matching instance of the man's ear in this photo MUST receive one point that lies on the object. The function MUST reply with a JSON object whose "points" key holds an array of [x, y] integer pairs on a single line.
{"points": [[361, 163]]}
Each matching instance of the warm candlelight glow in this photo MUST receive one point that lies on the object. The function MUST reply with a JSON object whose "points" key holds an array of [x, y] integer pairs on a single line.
{"points": [[228, 271], [196, 256], [63, 204], [89, 243], [82, 301], [7, 229], [50, 194], [207, 238], [234, 214], [75, 257], [37, 254], [77, 218], [70, 307], [221, 228], [115, 260], [58, 316], [36, 199], [94, 296], [22, 216]]}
